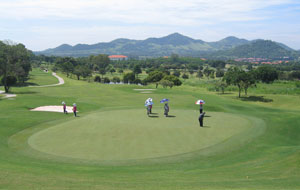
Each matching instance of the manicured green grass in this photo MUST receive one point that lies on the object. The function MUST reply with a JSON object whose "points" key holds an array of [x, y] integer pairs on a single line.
{"points": [[267, 157], [134, 135], [39, 78]]}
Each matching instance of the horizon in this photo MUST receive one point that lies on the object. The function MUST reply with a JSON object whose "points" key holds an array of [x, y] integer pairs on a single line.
{"points": [[41, 25]]}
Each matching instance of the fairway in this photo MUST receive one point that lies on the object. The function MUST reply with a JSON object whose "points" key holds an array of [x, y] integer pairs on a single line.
{"points": [[131, 134]]}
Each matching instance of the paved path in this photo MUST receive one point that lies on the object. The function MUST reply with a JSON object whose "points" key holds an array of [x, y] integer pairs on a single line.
{"points": [[60, 82]]}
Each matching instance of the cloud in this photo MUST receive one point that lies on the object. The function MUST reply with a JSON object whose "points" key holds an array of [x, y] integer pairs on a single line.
{"points": [[170, 12]]}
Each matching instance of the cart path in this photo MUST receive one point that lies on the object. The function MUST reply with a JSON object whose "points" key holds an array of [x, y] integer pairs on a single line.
{"points": [[60, 82]]}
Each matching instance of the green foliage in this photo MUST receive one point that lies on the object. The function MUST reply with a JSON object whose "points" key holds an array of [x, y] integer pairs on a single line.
{"points": [[14, 63], [176, 73], [221, 86], [173, 79], [97, 79], [220, 73], [116, 80], [185, 76], [266, 74], [106, 80], [166, 83], [240, 78], [129, 78]]}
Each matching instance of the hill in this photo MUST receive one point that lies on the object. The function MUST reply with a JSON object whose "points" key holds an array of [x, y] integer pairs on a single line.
{"points": [[258, 49], [227, 48], [173, 43]]}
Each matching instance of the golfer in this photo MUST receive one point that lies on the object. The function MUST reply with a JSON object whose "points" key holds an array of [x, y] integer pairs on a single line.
{"points": [[201, 117], [201, 108], [148, 109], [65, 108], [75, 110], [166, 108]]}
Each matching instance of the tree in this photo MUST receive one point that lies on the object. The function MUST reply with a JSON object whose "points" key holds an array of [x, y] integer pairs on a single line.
{"points": [[199, 74], [137, 70], [207, 72], [239, 78], [176, 73], [97, 79], [220, 73], [112, 70], [166, 83], [266, 74], [185, 76], [173, 79], [106, 80], [221, 86], [14, 64], [8, 81], [129, 78], [116, 80], [155, 77], [120, 71], [100, 61], [102, 72], [295, 75]]}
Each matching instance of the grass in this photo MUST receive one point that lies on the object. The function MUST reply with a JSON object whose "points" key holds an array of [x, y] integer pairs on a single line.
{"points": [[38, 78], [270, 159]]}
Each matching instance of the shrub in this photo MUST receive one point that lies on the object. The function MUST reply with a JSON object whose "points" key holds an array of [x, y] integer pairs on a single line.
{"points": [[97, 79], [106, 80], [116, 80]]}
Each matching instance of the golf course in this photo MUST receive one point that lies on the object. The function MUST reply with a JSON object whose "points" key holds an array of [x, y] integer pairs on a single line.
{"points": [[113, 144]]}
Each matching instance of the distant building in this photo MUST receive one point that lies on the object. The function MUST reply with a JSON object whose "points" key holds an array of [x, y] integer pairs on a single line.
{"points": [[118, 57]]}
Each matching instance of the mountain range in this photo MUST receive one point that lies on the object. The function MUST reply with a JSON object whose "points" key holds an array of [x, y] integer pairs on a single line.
{"points": [[230, 47]]}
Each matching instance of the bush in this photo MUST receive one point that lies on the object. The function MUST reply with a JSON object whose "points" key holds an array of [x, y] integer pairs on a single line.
{"points": [[106, 80], [129, 78], [116, 80], [97, 79], [185, 76], [137, 81], [166, 83]]}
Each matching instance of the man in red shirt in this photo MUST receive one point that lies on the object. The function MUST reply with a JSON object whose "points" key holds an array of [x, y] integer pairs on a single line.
{"points": [[74, 109]]}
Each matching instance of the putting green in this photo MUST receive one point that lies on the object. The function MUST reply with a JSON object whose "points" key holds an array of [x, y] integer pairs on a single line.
{"points": [[130, 134]]}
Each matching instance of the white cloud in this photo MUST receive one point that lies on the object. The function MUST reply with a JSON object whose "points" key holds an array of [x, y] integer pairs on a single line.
{"points": [[171, 12]]}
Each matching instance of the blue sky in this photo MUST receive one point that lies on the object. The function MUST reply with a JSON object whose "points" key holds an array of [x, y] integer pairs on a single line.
{"points": [[42, 24]]}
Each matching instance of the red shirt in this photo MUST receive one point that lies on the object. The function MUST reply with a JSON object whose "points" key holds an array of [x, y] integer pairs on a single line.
{"points": [[74, 108]]}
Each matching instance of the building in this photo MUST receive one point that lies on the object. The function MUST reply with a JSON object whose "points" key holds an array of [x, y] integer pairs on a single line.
{"points": [[118, 57]]}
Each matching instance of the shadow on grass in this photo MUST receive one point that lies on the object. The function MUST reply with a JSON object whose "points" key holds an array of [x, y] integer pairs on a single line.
{"points": [[207, 116], [153, 116], [171, 116], [28, 92], [26, 84], [225, 93], [256, 99]]}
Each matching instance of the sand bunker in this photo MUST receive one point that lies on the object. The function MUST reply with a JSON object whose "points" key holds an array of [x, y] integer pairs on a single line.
{"points": [[7, 95], [52, 109]]}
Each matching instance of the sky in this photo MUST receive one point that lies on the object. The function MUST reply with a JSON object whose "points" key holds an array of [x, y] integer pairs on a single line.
{"points": [[42, 24]]}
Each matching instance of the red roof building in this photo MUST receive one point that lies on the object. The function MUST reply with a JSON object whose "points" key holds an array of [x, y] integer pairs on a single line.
{"points": [[117, 57]]}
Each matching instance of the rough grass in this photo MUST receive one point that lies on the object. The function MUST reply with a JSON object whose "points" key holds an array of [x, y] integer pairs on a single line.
{"points": [[269, 161]]}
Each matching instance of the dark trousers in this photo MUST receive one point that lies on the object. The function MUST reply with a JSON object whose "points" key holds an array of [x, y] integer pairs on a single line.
{"points": [[75, 114], [201, 110], [201, 122]]}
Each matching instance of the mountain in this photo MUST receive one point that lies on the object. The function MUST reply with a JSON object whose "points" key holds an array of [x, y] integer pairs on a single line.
{"points": [[173, 43], [179, 44], [258, 49]]}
